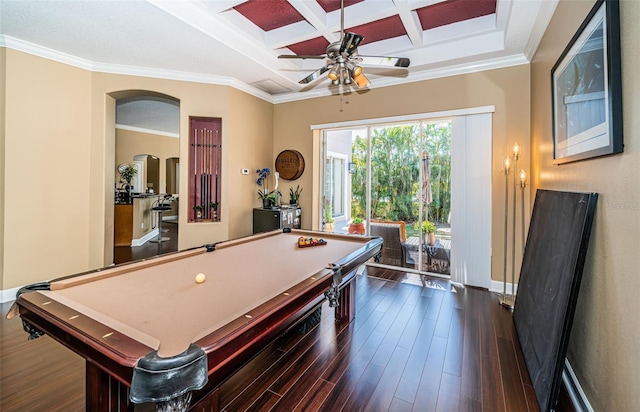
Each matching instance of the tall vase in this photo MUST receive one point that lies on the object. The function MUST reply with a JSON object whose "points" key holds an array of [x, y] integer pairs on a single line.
{"points": [[430, 239]]}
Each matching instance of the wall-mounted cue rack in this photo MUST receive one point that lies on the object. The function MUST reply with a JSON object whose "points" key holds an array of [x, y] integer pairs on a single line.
{"points": [[205, 158]]}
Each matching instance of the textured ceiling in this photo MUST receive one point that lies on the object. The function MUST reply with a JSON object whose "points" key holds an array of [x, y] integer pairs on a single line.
{"points": [[270, 15]]}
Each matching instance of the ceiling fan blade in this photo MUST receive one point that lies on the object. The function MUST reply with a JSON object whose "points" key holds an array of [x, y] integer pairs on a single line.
{"points": [[301, 56], [384, 61], [314, 75], [350, 43]]}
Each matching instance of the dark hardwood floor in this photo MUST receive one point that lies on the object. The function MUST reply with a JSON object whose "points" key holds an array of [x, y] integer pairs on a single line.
{"points": [[122, 254], [409, 348]]}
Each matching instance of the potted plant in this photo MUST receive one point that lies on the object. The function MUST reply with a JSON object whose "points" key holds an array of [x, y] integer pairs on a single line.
{"points": [[126, 174], [428, 229], [264, 194], [214, 210], [294, 195], [356, 226], [197, 209], [274, 198], [328, 219]]}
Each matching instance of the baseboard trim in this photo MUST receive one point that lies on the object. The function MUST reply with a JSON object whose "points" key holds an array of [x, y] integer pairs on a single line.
{"points": [[8, 295], [574, 390], [145, 238], [498, 287]]}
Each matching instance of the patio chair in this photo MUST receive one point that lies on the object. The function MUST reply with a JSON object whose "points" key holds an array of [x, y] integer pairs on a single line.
{"points": [[393, 237]]}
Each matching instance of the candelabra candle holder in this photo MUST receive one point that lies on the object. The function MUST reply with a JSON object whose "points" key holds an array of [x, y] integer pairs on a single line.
{"points": [[506, 300], [523, 184]]}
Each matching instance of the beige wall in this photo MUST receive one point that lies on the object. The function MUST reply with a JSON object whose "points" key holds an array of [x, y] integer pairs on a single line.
{"points": [[81, 107], [60, 160], [603, 349], [507, 89], [130, 143], [2, 161], [251, 125], [46, 208]]}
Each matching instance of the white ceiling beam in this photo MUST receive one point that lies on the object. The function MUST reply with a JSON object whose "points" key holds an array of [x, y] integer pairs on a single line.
{"points": [[219, 6], [217, 28], [411, 22], [316, 16]]}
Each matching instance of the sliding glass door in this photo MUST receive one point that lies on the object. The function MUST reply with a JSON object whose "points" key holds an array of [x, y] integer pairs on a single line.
{"points": [[392, 181]]}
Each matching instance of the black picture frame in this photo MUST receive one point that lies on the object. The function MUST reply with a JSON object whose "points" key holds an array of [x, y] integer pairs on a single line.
{"points": [[587, 89]]}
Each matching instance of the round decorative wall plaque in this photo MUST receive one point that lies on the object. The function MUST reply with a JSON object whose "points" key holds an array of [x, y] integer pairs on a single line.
{"points": [[290, 164]]}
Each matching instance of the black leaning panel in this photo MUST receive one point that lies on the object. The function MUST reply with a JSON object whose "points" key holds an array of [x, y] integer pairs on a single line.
{"points": [[549, 282]]}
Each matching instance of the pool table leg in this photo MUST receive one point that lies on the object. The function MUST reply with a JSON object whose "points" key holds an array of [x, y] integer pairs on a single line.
{"points": [[346, 310], [105, 393]]}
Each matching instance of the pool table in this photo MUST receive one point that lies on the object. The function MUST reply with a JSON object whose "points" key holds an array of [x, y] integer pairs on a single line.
{"points": [[150, 333]]}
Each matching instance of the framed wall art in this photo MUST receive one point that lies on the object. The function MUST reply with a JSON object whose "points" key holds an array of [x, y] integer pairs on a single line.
{"points": [[587, 90]]}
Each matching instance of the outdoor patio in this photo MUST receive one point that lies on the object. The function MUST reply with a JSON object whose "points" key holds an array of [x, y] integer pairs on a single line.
{"points": [[435, 259]]}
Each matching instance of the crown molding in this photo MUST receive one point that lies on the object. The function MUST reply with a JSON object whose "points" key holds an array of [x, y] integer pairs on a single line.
{"points": [[547, 9], [145, 130], [50, 54], [54, 55]]}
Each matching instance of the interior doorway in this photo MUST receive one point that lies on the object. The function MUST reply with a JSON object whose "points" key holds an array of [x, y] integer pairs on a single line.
{"points": [[146, 135]]}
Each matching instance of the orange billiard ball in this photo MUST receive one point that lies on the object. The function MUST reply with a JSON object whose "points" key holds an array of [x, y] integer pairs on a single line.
{"points": [[200, 278]]}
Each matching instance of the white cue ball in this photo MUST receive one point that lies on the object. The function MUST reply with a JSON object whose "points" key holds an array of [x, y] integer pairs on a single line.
{"points": [[200, 278]]}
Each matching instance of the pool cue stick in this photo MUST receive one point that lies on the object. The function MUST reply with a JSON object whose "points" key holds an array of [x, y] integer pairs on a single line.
{"points": [[219, 149], [206, 175], [195, 174], [203, 176], [204, 131], [204, 172], [199, 169], [206, 168], [209, 166]]}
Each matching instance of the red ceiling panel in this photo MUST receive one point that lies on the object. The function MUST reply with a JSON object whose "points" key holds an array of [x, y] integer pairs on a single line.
{"points": [[380, 29], [315, 46], [330, 5], [269, 14], [453, 11], [273, 14]]}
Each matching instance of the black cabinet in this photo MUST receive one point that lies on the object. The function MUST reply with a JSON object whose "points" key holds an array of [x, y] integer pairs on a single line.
{"points": [[265, 220]]}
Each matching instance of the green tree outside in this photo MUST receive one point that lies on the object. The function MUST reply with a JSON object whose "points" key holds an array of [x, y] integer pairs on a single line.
{"points": [[395, 168]]}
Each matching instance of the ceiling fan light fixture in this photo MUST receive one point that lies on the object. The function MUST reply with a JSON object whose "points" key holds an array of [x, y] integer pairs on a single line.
{"points": [[347, 77], [333, 75], [360, 79]]}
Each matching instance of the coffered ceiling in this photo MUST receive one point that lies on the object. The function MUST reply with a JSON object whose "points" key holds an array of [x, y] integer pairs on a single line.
{"points": [[237, 42]]}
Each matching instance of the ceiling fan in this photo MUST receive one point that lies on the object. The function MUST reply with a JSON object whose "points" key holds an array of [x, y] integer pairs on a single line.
{"points": [[344, 61]]}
